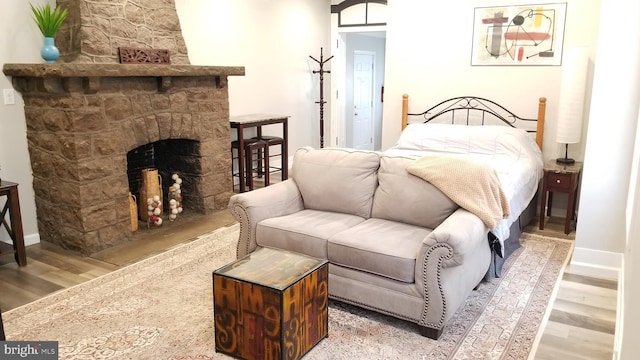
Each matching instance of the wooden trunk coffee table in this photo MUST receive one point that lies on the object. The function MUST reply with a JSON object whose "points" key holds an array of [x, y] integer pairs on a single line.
{"points": [[270, 304]]}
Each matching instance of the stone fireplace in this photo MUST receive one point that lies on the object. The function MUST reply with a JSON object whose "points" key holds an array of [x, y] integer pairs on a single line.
{"points": [[87, 114], [81, 124]]}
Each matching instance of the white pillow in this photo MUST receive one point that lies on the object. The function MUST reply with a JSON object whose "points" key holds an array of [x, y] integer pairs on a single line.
{"points": [[494, 140], [434, 137]]}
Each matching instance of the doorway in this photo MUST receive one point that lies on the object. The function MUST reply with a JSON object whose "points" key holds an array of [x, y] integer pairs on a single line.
{"points": [[360, 134], [358, 80]]}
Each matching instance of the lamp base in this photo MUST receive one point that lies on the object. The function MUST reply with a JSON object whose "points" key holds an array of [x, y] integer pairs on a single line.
{"points": [[565, 161]]}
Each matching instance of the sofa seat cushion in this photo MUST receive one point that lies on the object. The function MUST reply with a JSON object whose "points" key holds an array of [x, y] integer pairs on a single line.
{"points": [[380, 247], [305, 231]]}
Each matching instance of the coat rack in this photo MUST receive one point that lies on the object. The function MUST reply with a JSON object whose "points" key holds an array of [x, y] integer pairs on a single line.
{"points": [[321, 102]]}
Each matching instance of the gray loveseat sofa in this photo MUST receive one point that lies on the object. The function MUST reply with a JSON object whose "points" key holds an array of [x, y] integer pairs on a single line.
{"points": [[395, 243]]}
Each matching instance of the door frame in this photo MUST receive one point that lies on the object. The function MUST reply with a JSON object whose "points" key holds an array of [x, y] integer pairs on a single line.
{"points": [[373, 92], [337, 126]]}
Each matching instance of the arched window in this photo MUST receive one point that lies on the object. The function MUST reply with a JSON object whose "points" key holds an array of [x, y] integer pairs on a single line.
{"points": [[361, 12]]}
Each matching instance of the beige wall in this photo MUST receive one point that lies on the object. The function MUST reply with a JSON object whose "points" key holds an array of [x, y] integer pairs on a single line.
{"points": [[273, 40], [20, 42], [611, 219], [629, 315], [610, 138]]}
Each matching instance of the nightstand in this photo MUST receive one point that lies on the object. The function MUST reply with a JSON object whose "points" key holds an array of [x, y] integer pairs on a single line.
{"points": [[564, 179], [14, 226]]}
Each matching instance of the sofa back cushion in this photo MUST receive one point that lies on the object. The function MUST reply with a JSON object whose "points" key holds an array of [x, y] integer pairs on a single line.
{"points": [[403, 197], [336, 179]]}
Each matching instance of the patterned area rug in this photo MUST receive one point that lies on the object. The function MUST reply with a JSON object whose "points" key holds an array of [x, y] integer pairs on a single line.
{"points": [[161, 308]]}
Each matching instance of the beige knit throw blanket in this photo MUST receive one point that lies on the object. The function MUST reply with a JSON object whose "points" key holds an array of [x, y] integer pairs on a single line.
{"points": [[472, 185]]}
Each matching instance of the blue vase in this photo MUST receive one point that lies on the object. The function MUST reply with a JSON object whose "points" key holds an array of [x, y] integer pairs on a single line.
{"points": [[49, 52]]}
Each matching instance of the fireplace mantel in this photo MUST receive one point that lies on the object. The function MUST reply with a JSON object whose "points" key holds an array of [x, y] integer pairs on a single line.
{"points": [[117, 70], [92, 73]]}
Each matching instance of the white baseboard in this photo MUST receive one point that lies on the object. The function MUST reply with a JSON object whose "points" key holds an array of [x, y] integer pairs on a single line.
{"points": [[31, 239], [596, 263], [28, 239]]}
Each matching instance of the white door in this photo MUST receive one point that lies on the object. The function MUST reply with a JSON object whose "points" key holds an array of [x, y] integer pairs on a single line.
{"points": [[363, 82]]}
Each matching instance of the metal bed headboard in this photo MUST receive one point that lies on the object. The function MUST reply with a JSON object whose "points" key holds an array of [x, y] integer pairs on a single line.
{"points": [[473, 110]]}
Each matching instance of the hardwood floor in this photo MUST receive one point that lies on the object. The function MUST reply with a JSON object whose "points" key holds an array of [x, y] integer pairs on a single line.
{"points": [[50, 268], [581, 323]]}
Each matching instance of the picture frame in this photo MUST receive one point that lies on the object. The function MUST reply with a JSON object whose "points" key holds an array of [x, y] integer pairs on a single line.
{"points": [[519, 35]]}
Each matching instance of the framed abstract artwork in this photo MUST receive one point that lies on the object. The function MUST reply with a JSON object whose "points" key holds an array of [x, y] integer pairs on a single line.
{"points": [[518, 35]]}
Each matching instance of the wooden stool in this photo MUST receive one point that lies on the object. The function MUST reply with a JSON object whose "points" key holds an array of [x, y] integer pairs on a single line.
{"points": [[14, 228], [260, 148], [274, 141]]}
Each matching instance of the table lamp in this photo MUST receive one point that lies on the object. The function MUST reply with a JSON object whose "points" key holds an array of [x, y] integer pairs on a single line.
{"points": [[572, 90]]}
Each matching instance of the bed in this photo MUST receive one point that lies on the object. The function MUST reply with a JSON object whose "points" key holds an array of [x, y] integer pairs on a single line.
{"points": [[479, 130]]}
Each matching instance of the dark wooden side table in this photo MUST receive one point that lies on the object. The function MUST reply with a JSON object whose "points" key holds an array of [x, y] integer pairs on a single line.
{"points": [[564, 179], [2, 336], [14, 227]]}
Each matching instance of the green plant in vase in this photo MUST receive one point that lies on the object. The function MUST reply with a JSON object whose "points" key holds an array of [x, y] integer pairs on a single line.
{"points": [[49, 22]]}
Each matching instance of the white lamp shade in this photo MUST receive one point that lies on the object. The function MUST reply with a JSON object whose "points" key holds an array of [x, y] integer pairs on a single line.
{"points": [[572, 90]]}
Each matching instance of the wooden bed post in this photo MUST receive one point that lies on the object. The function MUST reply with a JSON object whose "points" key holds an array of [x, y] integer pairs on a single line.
{"points": [[542, 108], [405, 110]]}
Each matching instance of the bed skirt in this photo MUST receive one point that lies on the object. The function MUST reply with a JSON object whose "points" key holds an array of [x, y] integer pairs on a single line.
{"points": [[513, 242]]}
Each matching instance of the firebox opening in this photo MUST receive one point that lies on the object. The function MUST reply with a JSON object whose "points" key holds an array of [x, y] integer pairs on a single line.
{"points": [[173, 156]]}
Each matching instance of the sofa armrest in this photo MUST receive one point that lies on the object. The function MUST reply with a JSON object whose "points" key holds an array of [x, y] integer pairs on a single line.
{"points": [[461, 231], [448, 245], [251, 207]]}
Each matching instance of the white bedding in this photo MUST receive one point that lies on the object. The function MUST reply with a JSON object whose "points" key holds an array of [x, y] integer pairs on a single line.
{"points": [[512, 152]]}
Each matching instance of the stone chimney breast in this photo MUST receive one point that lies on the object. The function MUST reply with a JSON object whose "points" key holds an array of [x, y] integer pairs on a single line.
{"points": [[94, 30]]}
